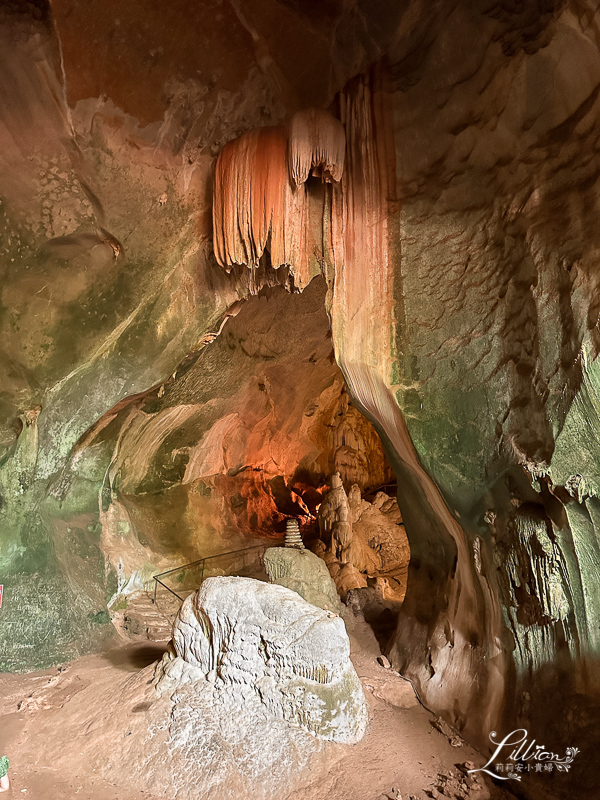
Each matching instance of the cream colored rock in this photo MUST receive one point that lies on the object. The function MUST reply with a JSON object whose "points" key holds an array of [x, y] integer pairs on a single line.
{"points": [[397, 692], [305, 573], [356, 503], [366, 559], [255, 640], [348, 578], [377, 548]]}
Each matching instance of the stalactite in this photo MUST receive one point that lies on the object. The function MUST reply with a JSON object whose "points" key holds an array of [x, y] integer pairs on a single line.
{"points": [[254, 201], [260, 202], [255, 207], [317, 141]]}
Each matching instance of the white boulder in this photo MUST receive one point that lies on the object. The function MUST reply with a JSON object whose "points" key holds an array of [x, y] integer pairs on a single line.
{"points": [[256, 640]]}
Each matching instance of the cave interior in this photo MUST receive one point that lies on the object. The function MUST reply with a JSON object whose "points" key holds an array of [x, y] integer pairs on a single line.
{"points": [[248, 245]]}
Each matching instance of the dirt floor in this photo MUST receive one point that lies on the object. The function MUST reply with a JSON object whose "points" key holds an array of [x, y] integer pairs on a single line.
{"points": [[402, 755]]}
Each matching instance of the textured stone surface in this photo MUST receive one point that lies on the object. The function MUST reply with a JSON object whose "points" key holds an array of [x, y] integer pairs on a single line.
{"points": [[130, 743], [260, 197], [222, 750], [302, 572], [378, 548], [258, 640], [241, 436]]}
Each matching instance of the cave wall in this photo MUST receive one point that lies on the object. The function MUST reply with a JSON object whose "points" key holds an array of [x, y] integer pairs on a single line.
{"points": [[244, 435], [493, 242], [88, 317], [496, 289]]}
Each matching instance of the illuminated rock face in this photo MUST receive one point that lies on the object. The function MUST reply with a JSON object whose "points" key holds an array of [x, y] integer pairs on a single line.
{"points": [[260, 198], [258, 639]]}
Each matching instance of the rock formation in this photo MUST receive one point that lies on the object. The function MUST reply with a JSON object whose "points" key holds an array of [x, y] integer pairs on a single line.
{"points": [[334, 520], [180, 472], [317, 143], [260, 199], [302, 572], [378, 551], [255, 203], [379, 544], [252, 639]]}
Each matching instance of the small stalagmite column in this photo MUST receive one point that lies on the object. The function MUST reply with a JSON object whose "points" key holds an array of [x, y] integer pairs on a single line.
{"points": [[335, 520]]}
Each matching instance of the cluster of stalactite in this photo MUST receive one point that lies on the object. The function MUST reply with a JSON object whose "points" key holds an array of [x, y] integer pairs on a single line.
{"points": [[260, 198], [317, 142]]}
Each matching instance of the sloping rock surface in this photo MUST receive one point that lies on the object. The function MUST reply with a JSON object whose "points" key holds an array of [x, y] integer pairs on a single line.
{"points": [[305, 573]]}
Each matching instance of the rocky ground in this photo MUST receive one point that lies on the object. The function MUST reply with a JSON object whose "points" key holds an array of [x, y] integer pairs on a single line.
{"points": [[63, 729]]}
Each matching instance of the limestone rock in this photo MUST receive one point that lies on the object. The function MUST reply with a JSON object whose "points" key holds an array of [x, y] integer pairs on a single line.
{"points": [[255, 640], [397, 692], [349, 578], [334, 520], [219, 750], [356, 503], [305, 573], [375, 547], [461, 258], [366, 559]]}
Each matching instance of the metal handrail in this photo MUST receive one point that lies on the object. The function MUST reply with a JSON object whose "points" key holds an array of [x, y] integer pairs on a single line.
{"points": [[203, 561]]}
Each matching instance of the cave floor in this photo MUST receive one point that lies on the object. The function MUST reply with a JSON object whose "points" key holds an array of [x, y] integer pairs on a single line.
{"points": [[401, 752]]}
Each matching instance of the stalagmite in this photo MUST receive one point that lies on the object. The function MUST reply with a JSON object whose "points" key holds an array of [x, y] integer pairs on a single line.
{"points": [[334, 520], [267, 650]]}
